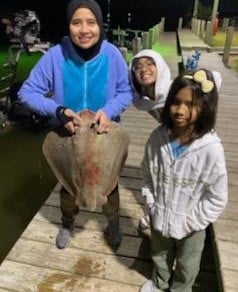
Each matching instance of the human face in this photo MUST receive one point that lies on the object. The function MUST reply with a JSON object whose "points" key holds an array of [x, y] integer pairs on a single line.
{"points": [[84, 29], [184, 110], [145, 71]]}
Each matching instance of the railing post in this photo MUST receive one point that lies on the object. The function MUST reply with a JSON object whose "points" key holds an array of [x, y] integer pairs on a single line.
{"points": [[124, 52], [180, 23], [202, 29], [136, 45], [150, 38], [162, 23], [198, 27], [228, 43], [208, 38], [225, 24], [145, 40]]}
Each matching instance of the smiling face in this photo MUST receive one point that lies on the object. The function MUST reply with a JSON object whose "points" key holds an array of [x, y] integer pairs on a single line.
{"points": [[184, 110], [84, 29], [145, 71]]}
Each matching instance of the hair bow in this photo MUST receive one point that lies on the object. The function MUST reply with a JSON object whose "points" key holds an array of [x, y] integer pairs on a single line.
{"points": [[201, 78]]}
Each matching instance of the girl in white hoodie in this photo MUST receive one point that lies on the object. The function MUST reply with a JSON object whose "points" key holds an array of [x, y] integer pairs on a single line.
{"points": [[185, 181], [151, 79]]}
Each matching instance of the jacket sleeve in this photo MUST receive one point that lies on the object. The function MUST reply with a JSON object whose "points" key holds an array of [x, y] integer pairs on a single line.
{"points": [[122, 98], [37, 86], [147, 188], [143, 103], [215, 197]]}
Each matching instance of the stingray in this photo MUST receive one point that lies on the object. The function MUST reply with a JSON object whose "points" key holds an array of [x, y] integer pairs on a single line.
{"points": [[87, 164]]}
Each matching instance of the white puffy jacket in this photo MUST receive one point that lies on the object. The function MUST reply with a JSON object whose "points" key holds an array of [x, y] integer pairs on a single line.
{"points": [[187, 193]]}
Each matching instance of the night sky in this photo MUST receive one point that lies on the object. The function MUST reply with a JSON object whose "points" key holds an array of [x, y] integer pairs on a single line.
{"points": [[144, 13]]}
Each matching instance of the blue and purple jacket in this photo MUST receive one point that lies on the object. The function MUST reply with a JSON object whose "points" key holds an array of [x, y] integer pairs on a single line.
{"points": [[61, 77]]}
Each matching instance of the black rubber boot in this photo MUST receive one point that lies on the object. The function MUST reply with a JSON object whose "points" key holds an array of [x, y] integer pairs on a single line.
{"points": [[113, 233], [63, 236]]}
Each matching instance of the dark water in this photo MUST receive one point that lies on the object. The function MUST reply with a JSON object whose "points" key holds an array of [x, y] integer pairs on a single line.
{"points": [[25, 183]]}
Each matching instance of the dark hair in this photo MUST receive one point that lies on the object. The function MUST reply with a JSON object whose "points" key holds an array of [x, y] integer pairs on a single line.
{"points": [[208, 102]]}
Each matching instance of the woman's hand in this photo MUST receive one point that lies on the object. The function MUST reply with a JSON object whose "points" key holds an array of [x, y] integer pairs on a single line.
{"points": [[69, 119], [74, 123], [103, 122]]}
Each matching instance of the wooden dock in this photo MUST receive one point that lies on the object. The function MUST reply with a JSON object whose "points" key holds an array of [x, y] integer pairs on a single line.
{"points": [[88, 264], [225, 230]]}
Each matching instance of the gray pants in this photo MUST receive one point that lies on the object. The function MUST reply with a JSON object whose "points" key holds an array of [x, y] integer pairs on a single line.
{"points": [[69, 208], [176, 262]]}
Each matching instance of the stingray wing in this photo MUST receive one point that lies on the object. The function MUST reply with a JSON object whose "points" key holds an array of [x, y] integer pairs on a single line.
{"points": [[87, 164]]}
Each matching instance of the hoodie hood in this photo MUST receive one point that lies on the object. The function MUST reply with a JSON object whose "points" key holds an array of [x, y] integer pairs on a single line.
{"points": [[162, 83]]}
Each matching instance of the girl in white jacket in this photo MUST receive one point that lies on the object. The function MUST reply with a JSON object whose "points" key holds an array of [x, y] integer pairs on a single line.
{"points": [[185, 181], [151, 79]]}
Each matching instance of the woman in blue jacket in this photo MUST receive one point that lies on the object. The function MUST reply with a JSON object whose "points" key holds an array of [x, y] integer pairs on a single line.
{"points": [[83, 72]]}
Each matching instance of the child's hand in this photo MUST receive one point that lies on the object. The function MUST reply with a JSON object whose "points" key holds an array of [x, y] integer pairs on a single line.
{"points": [[149, 208]]}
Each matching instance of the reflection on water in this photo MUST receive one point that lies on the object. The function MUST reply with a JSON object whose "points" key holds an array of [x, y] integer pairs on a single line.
{"points": [[25, 182]]}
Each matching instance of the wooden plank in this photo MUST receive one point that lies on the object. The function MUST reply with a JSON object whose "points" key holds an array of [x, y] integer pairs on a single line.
{"points": [[88, 220], [228, 254], [81, 262], [227, 264], [232, 177], [16, 276], [230, 278], [130, 183], [131, 172], [126, 197], [85, 239], [88, 264], [233, 191], [231, 211], [225, 229], [190, 41]]}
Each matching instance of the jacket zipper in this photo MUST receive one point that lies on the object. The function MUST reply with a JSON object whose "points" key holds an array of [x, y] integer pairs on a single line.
{"points": [[169, 197], [85, 82]]}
